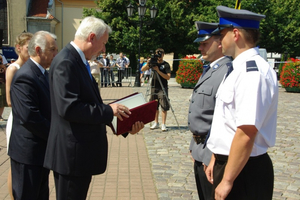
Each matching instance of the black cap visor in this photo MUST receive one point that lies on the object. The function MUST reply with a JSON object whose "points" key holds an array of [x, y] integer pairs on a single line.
{"points": [[202, 38]]}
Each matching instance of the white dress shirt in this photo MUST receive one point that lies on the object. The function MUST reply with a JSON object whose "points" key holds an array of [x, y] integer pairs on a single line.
{"points": [[248, 96]]}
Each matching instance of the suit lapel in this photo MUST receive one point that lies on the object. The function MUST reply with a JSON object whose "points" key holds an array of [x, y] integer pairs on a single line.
{"points": [[41, 77], [207, 75], [90, 81], [85, 73]]}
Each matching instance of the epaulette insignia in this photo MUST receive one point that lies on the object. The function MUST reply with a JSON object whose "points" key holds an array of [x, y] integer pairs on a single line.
{"points": [[251, 66]]}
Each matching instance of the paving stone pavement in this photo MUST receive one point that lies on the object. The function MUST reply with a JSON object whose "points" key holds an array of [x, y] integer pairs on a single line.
{"points": [[172, 165], [157, 165]]}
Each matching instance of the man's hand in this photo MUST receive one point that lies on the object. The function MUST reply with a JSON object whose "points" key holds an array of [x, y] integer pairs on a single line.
{"points": [[155, 68], [204, 167], [120, 111], [136, 127], [192, 156], [239, 154], [209, 170], [223, 190]]}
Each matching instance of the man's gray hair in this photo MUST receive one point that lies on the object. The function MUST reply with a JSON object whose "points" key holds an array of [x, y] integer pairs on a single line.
{"points": [[92, 25], [39, 40]]}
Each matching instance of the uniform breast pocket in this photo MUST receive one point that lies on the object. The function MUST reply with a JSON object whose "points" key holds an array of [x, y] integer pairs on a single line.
{"points": [[207, 99], [227, 99]]}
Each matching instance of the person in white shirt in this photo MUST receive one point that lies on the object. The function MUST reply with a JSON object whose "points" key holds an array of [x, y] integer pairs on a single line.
{"points": [[95, 70], [244, 122], [111, 76], [127, 70], [105, 65], [121, 63]]}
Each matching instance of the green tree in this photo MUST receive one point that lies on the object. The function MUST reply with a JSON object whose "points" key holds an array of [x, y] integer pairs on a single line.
{"points": [[173, 29], [280, 30]]}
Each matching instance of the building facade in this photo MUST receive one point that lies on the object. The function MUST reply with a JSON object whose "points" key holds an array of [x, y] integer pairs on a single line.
{"points": [[61, 17]]}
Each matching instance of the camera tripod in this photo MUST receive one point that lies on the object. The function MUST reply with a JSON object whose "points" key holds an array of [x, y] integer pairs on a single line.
{"points": [[148, 92]]}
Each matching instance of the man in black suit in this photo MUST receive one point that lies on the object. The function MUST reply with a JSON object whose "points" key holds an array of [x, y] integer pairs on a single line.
{"points": [[105, 66], [30, 98], [77, 145]]}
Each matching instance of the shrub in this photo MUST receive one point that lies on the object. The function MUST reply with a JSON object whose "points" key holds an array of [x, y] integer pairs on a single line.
{"points": [[290, 74], [189, 70]]}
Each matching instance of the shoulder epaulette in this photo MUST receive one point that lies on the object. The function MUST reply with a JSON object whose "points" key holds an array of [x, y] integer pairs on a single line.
{"points": [[251, 66]]}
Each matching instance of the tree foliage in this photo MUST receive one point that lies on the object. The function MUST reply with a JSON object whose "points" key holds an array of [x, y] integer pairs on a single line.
{"points": [[280, 30], [173, 29]]}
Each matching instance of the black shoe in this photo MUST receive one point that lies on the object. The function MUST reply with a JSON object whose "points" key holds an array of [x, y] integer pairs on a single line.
{"points": [[113, 85]]}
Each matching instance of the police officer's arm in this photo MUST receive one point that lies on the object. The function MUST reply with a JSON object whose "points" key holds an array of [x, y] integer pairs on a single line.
{"points": [[239, 154], [210, 168]]}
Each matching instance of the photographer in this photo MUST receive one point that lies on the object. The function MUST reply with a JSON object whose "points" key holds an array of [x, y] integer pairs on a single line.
{"points": [[162, 71]]}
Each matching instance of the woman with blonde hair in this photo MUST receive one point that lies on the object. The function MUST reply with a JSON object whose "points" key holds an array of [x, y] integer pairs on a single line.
{"points": [[21, 48]]}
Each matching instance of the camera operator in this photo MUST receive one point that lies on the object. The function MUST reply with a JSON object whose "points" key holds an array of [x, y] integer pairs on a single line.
{"points": [[161, 71]]}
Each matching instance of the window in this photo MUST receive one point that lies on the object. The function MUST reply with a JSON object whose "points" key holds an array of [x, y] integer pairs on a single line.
{"points": [[3, 22]]}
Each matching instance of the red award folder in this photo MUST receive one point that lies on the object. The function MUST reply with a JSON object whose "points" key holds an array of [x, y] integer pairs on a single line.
{"points": [[140, 111]]}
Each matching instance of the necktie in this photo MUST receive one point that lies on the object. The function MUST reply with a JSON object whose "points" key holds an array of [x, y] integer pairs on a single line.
{"points": [[230, 69], [205, 142], [46, 74], [205, 69], [88, 68]]}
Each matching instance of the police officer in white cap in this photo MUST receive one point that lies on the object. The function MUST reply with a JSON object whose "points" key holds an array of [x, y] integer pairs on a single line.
{"points": [[244, 122], [203, 102]]}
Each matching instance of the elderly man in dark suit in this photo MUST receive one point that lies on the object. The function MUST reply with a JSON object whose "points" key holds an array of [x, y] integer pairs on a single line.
{"points": [[30, 98], [77, 145], [203, 102]]}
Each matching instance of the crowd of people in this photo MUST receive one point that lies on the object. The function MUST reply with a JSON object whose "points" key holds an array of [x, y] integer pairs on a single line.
{"points": [[52, 108], [105, 68], [232, 113]]}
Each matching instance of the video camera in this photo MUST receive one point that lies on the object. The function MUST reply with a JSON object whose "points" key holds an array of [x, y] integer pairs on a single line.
{"points": [[153, 59]]}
